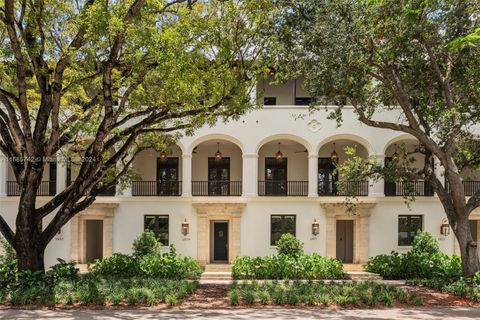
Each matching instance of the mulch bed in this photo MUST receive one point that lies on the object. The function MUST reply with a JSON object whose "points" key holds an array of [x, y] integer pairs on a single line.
{"points": [[215, 296]]}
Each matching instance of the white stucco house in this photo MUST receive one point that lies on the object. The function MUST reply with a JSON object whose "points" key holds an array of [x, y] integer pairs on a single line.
{"points": [[234, 188]]}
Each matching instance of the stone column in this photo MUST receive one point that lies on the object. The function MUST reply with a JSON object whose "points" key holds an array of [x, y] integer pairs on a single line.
{"points": [[313, 175], [186, 175], [250, 175], [331, 235], [377, 188], [203, 239], [61, 174], [363, 222], [3, 175]]}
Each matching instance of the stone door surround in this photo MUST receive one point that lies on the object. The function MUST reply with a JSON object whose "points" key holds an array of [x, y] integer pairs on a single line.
{"points": [[218, 211], [361, 223], [78, 242]]}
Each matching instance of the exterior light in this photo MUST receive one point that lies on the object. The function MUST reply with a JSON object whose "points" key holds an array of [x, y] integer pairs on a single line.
{"points": [[334, 154], [444, 227], [395, 155], [315, 227], [163, 156], [279, 154], [218, 154], [185, 227]]}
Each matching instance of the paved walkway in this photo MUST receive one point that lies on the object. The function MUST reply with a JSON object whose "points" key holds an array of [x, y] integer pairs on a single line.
{"points": [[384, 314]]}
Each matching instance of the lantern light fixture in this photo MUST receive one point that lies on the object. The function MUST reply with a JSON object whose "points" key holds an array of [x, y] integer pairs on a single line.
{"points": [[163, 156], [315, 227], [334, 154], [185, 227], [218, 154], [395, 155], [444, 227], [279, 154]]}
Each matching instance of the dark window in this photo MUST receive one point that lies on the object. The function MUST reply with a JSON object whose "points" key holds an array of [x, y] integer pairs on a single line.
{"points": [[218, 176], [276, 177], [167, 177], [408, 227], [159, 226], [281, 224], [269, 101], [327, 177], [302, 101]]}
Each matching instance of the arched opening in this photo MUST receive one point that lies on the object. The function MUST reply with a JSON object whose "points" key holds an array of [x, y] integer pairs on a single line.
{"points": [[406, 152], [217, 168], [331, 155], [283, 168], [157, 172]]}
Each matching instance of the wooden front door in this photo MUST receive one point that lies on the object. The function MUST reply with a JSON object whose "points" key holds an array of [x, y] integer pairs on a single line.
{"points": [[94, 234], [345, 240], [220, 241]]}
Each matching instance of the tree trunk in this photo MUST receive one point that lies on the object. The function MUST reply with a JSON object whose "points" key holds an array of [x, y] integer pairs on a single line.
{"points": [[468, 247], [30, 257]]}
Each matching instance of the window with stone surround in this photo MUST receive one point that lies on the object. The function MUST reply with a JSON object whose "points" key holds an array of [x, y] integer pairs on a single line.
{"points": [[280, 224], [408, 227], [158, 224]]}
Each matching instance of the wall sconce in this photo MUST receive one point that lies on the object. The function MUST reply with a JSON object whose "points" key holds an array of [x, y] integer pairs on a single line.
{"points": [[185, 227], [445, 227], [315, 227]]}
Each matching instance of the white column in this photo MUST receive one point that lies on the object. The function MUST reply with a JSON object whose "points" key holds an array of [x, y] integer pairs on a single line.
{"points": [[377, 188], [250, 175], [61, 174], [186, 175], [313, 175], [3, 175]]}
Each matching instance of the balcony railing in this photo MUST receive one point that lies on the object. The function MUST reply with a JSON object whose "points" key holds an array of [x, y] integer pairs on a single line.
{"points": [[351, 188], [471, 187], [418, 188], [217, 188], [46, 188], [282, 188], [157, 188]]}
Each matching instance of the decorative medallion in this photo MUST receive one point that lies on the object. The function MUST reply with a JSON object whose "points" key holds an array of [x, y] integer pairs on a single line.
{"points": [[314, 125]]}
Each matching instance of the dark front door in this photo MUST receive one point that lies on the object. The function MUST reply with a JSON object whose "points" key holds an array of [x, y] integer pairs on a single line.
{"points": [[345, 240], [94, 234], [167, 177], [276, 177], [218, 176], [220, 241], [327, 177]]}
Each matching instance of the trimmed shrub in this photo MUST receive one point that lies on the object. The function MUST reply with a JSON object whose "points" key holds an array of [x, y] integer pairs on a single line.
{"points": [[289, 245], [146, 244], [425, 261]]}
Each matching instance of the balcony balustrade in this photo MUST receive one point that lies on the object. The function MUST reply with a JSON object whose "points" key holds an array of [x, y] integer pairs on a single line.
{"points": [[46, 188], [217, 188], [352, 188], [157, 188], [282, 188], [418, 188], [471, 187]]}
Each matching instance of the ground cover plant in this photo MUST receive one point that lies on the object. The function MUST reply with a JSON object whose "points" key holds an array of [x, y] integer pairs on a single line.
{"points": [[289, 263], [466, 287], [313, 293], [147, 277], [423, 261]]}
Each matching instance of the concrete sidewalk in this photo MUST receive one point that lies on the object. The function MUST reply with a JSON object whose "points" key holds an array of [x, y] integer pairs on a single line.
{"points": [[175, 313]]}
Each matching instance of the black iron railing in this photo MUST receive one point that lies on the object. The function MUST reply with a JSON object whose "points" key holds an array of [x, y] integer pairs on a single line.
{"points": [[349, 188], [471, 187], [217, 188], [282, 188], [157, 188], [46, 188], [418, 188]]}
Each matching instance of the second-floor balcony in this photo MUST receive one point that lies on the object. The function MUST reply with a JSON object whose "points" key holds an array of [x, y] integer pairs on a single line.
{"points": [[349, 188], [275, 188], [217, 188], [46, 188], [417, 188], [157, 188]]}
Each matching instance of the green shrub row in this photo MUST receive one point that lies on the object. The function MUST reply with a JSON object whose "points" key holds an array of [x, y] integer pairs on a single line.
{"points": [[319, 293], [283, 266], [423, 261]]}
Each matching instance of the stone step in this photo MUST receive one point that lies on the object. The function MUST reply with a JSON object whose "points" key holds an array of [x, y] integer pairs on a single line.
{"points": [[364, 276], [214, 267], [216, 276]]}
